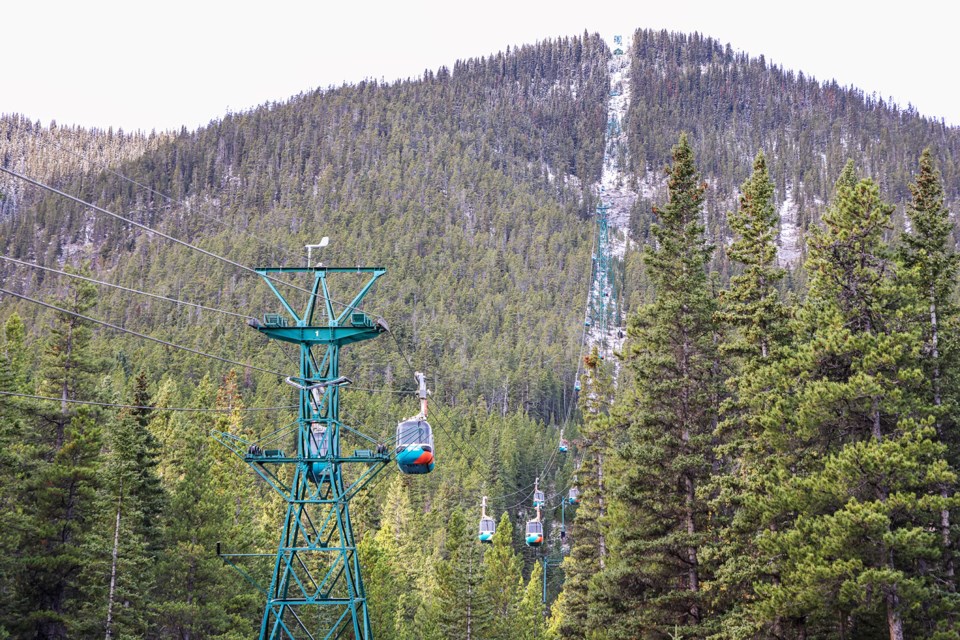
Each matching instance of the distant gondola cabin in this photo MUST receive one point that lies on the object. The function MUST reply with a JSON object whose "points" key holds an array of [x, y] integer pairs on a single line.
{"points": [[538, 498], [487, 528]]}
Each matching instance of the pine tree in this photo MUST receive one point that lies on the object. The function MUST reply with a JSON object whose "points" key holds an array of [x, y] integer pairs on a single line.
{"points": [[197, 595], [502, 582], [931, 267], [854, 494], [117, 582], [457, 590], [393, 568], [530, 623], [61, 475], [588, 551], [381, 584], [755, 320], [658, 519], [13, 379]]}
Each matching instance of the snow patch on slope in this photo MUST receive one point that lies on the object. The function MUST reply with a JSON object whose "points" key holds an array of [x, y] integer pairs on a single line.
{"points": [[788, 248]]}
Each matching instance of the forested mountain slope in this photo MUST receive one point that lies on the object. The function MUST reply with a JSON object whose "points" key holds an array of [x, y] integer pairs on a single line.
{"points": [[474, 187], [733, 105], [466, 185]]}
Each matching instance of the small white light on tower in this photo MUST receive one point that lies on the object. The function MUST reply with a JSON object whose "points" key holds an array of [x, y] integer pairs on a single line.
{"points": [[324, 241]]}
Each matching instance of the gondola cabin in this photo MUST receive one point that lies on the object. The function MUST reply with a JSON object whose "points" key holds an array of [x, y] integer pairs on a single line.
{"points": [[534, 537], [538, 498], [564, 445], [573, 497], [576, 386], [487, 525], [414, 446], [487, 528], [317, 447]]}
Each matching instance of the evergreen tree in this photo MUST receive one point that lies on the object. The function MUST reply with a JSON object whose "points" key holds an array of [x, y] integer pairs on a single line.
{"points": [[931, 267], [462, 612], [658, 519], [118, 578], [530, 621], [13, 379], [118, 582], [588, 551], [197, 594], [61, 475], [854, 494], [381, 584], [755, 320], [502, 582]]}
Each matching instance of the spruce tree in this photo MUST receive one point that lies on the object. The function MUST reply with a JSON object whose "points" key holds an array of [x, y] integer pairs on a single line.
{"points": [[530, 621], [197, 594], [117, 582], [853, 498], [61, 474], [502, 582], [658, 519], [458, 575], [756, 330], [931, 268], [588, 550], [13, 379]]}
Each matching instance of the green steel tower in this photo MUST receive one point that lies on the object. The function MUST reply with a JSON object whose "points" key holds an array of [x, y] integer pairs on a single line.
{"points": [[602, 274], [315, 589]]}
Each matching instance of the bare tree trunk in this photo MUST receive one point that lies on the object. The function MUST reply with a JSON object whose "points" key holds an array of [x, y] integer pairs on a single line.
{"points": [[694, 575], [894, 621], [938, 401], [601, 510], [113, 565]]}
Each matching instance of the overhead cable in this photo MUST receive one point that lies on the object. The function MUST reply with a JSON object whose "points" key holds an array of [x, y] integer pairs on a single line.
{"points": [[151, 408], [215, 256], [136, 333], [122, 288]]}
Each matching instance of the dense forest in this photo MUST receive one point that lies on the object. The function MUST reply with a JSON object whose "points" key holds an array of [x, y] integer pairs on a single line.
{"points": [[772, 455]]}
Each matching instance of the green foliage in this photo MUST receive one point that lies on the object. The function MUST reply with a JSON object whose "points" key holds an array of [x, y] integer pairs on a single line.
{"points": [[657, 520], [464, 611], [851, 496], [571, 613], [502, 583], [813, 494], [755, 321]]}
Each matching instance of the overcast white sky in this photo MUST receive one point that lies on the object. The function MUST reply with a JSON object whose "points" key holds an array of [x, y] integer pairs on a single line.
{"points": [[160, 65]]}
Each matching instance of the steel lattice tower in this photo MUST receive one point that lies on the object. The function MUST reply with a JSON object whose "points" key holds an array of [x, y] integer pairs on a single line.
{"points": [[600, 288], [315, 587]]}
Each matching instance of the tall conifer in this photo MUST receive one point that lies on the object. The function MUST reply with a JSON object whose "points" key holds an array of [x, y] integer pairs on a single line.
{"points": [[60, 462], [653, 580], [854, 494], [588, 550], [755, 320], [931, 267]]}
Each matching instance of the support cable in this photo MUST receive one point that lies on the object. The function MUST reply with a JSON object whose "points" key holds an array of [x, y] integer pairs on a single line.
{"points": [[107, 168], [151, 230], [138, 406], [453, 441], [448, 434], [122, 288], [138, 334]]}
